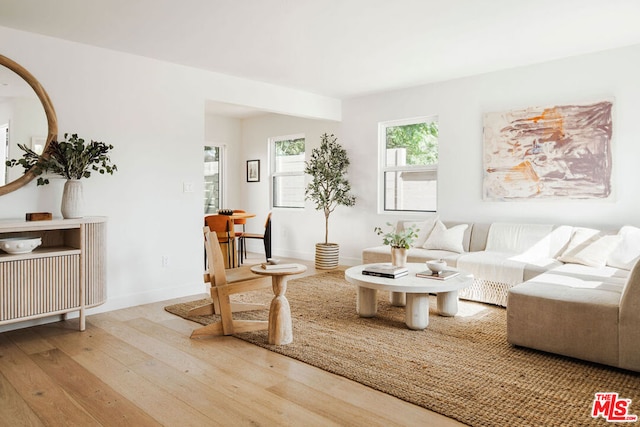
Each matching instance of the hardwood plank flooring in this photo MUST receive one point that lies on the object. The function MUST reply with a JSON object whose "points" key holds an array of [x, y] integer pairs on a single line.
{"points": [[138, 367]]}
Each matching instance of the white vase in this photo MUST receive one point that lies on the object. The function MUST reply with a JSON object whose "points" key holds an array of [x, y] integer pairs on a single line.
{"points": [[72, 199], [398, 257]]}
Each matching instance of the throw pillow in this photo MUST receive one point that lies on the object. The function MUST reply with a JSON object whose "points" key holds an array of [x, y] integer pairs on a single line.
{"points": [[446, 239], [595, 253], [580, 239], [626, 254], [424, 229]]}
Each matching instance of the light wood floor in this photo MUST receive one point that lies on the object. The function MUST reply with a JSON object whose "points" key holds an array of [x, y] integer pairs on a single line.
{"points": [[138, 367]]}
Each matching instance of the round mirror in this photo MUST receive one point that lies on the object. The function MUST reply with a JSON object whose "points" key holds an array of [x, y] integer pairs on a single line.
{"points": [[19, 118]]}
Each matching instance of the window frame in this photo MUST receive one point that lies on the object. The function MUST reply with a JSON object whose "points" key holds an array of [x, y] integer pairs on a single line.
{"points": [[222, 180], [272, 167], [383, 169]]}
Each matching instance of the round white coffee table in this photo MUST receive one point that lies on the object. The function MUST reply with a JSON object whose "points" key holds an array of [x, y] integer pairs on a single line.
{"points": [[417, 290]]}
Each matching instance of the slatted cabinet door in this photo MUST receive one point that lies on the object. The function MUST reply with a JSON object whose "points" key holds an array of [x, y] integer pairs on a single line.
{"points": [[66, 273]]}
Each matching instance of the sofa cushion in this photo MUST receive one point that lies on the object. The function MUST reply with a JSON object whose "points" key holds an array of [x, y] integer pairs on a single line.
{"points": [[627, 252], [566, 282], [585, 272], [478, 238], [446, 239], [581, 236], [517, 238], [533, 270], [594, 252]]}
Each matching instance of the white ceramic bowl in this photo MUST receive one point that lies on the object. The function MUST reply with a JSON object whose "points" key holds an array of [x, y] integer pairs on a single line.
{"points": [[436, 266], [19, 245]]}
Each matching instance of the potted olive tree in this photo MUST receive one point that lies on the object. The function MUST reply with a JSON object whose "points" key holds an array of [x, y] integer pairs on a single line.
{"points": [[328, 189], [72, 159]]}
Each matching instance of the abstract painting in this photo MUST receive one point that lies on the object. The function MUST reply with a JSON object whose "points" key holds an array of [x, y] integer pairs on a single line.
{"points": [[548, 152]]}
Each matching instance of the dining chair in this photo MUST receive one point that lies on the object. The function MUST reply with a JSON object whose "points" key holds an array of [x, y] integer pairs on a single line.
{"points": [[266, 236], [223, 283], [242, 252], [222, 225]]}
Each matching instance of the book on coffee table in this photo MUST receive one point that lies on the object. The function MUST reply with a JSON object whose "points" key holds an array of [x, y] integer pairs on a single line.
{"points": [[443, 275], [385, 270]]}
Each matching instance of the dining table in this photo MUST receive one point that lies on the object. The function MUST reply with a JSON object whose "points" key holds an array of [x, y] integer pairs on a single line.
{"points": [[240, 215], [234, 246]]}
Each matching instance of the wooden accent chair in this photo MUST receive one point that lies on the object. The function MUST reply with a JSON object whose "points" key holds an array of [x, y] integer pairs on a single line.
{"points": [[223, 284], [266, 237]]}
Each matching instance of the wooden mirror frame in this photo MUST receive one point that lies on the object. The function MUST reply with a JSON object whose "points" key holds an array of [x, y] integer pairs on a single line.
{"points": [[52, 120]]}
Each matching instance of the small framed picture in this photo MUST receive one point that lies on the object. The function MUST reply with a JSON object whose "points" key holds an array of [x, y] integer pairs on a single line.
{"points": [[253, 170]]}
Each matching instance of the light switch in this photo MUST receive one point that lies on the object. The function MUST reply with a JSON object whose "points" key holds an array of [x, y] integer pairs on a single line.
{"points": [[187, 187]]}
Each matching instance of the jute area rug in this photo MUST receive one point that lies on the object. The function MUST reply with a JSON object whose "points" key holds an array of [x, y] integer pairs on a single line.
{"points": [[461, 366]]}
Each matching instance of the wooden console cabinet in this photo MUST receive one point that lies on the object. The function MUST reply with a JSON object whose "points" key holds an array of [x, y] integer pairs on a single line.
{"points": [[66, 273]]}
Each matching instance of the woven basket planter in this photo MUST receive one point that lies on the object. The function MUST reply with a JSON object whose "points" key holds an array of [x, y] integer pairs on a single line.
{"points": [[327, 255]]}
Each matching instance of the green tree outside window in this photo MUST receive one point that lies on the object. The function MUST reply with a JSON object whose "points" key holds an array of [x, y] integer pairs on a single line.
{"points": [[420, 140], [290, 147]]}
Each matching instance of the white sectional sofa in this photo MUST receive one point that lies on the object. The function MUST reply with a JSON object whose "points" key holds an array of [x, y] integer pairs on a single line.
{"points": [[568, 290]]}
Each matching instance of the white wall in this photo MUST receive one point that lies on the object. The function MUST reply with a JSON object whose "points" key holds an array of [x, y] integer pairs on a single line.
{"points": [[154, 114]]}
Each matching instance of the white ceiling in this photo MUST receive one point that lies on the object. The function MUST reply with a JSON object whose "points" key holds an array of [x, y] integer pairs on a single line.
{"points": [[338, 48]]}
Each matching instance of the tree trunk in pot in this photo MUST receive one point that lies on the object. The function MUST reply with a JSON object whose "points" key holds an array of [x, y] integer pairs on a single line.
{"points": [[72, 199], [327, 255]]}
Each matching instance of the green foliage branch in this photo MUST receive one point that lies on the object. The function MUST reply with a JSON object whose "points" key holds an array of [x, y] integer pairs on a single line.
{"points": [[329, 187], [71, 158], [398, 239]]}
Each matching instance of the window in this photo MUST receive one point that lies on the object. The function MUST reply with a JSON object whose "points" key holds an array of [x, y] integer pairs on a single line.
{"points": [[287, 167], [212, 179], [409, 165]]}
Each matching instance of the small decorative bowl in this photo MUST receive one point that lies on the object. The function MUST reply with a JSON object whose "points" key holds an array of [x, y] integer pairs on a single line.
{"points": [[19, 245], [225, 211], [436, 266]]}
